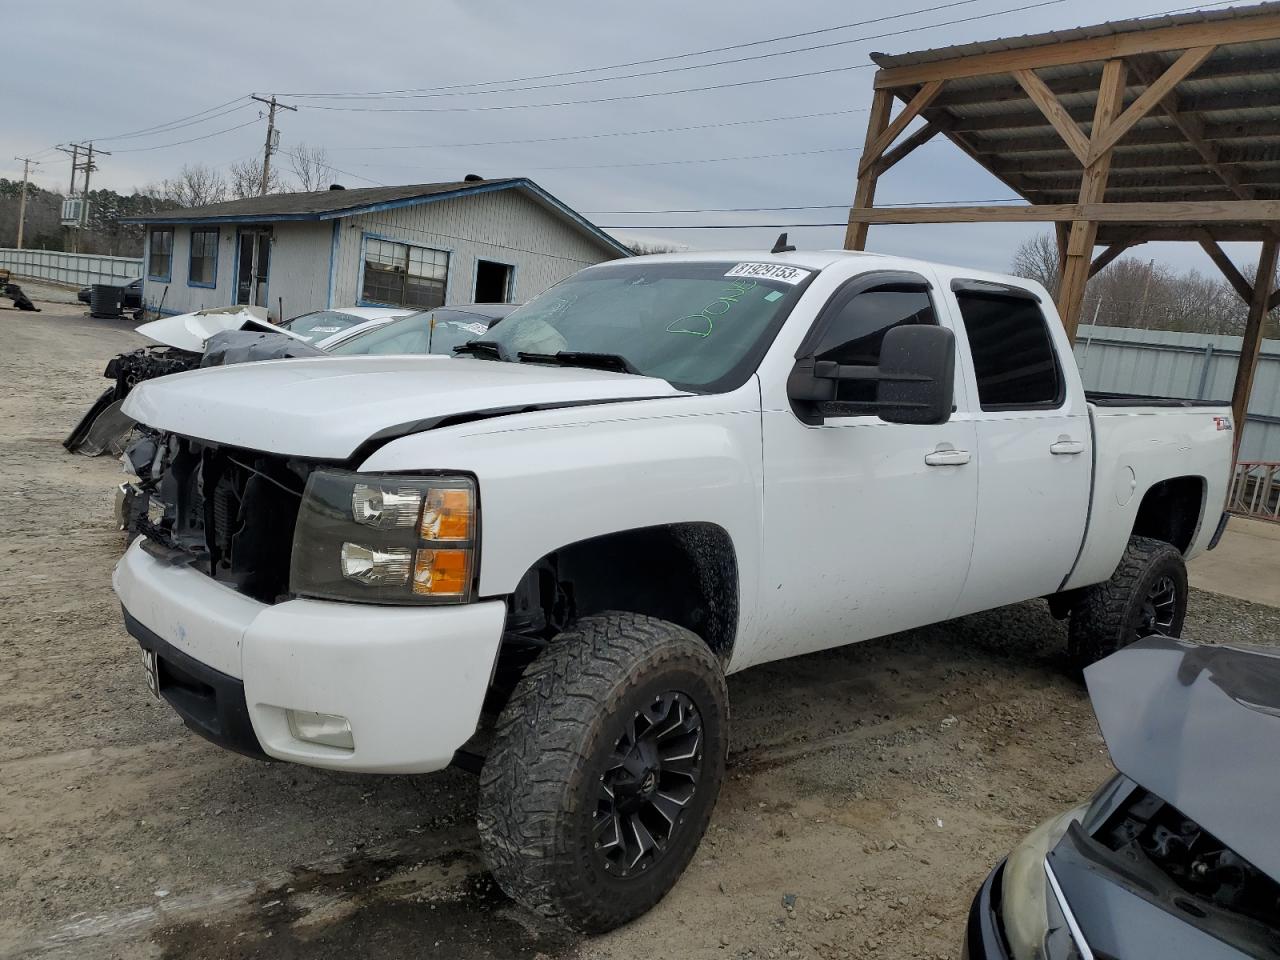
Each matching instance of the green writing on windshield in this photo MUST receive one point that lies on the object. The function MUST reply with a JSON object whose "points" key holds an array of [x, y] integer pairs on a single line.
{"points": [[701, 324]]}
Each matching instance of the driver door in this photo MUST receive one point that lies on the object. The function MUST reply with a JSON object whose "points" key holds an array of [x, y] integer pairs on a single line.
{"points": [[868, 526]]}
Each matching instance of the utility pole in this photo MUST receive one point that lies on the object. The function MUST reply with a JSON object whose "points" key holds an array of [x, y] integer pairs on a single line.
{"points": [[74, 150], [271, 137], [22, 203], [89, 167]]}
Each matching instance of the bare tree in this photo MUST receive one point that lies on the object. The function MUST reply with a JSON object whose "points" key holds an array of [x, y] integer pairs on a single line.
{"points": [[311, 167], [642, 248], [1037, 259], [195, 186], [246, 179]]}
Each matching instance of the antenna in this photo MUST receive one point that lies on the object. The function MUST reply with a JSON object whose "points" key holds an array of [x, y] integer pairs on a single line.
{"points": [[781, 246]]}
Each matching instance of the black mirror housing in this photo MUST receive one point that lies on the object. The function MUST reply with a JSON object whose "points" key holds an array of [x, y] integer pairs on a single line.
{"points": [[917, 375], [915, 380]]}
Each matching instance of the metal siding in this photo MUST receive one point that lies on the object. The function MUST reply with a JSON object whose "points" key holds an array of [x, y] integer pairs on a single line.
{"points": [[299, 271], [505, 226], [1172, 364]]}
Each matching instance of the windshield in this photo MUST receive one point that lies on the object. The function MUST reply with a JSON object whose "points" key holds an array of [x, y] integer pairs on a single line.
{"points": [[691, 324], [432, 331], [321, 324]]}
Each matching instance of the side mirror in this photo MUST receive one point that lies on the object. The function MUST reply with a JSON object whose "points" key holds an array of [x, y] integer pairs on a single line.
{"points": [[917, 375], [915, 381]]}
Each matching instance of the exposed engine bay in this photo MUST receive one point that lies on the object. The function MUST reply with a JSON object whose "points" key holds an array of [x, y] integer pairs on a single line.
{"points": [[226, 512], [1146, 830]]}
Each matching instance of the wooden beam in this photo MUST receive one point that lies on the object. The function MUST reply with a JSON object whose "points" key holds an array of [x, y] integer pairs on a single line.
{"points": [[1055, 113], [1263, 283], [1198, 212], [917, 139], [864, 195], [1093, 187], [1223, 262], [1263, 98], [1152, 233], [1104, 140], [1000, 88], [1062, 233], [872, 151], [1144, 136], [1234, 29], [1104, 259]]}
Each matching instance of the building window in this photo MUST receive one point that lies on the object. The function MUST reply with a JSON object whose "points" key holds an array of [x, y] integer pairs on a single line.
{"points": [[202, 268], [402, 275], [160, 254]]}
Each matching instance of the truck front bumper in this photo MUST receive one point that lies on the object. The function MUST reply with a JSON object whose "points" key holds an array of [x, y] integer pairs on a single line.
{"points": [[410, 681]]}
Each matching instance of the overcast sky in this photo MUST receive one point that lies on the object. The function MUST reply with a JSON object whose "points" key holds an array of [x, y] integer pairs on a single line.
{"points": [[90, 70]]}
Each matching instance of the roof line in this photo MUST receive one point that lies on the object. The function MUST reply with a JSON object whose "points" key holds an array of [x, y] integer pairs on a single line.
{"points": [[520, 183]]}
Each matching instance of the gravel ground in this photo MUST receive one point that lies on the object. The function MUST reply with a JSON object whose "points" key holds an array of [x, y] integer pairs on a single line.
{"points": [[871, 787]]}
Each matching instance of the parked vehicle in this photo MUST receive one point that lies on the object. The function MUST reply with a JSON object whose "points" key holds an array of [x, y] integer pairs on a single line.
{"points": [[541, 561], [1177, 855], [319, 326], [214, 337], [429, 332]]}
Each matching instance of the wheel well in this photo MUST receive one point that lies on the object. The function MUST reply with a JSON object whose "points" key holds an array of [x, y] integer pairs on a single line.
{"points": [[1171, 511], [686, 573]]}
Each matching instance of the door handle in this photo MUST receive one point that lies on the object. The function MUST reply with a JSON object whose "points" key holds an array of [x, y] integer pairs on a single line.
{"points": [[947, 458], [1065, 446]]}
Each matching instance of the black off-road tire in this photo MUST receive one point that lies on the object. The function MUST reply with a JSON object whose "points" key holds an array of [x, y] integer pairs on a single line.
{"points": [[552, 746], [1110, 615]]}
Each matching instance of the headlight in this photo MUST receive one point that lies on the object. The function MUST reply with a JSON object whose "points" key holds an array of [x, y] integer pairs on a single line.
{"points": [[1024, 905], [385, 539]]}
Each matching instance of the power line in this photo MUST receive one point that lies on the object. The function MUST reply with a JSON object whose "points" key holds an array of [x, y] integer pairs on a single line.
{"points": [[641, 63], [171, 125], [824, 206], [687, 67], [345, 173], [178, 143], [682, 160], [666, 93], [619, 133]]}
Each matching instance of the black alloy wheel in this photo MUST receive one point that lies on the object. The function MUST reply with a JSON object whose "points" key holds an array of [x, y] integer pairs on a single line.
{"points": [[652, 777]]}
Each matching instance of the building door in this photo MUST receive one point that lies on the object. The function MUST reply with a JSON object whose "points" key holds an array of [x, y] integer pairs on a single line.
{"points": [[253, 263], [493, 281]]}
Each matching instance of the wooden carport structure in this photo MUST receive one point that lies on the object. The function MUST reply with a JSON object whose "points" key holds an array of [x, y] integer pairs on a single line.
{"points": [[1165, 128]]}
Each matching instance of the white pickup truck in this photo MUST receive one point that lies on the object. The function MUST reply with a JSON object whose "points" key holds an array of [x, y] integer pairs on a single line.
{"points": [[540, 559]]}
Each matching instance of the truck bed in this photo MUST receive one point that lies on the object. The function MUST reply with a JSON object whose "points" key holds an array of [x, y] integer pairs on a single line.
{"points": [[1102, 398]]}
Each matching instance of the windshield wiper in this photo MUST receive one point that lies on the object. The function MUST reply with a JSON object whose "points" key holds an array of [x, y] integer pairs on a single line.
{"points": [[614, 362], [485, 349]]}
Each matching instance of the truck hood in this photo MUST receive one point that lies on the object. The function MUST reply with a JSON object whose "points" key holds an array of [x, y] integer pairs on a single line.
{"points": [[190, 331], [1198, 726], [327, 407]]}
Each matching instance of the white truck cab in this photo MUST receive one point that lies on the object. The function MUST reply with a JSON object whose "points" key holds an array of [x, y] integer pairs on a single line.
{"points": [[541, 558]]}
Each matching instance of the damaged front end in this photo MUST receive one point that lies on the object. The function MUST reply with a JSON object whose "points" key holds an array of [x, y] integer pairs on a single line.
{"points": [[1179, 855], [226, 512], [105, 427]]}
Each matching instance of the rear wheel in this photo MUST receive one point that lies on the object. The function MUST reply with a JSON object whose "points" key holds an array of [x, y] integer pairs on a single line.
{"points": [[1146, 595], [604, 769]]}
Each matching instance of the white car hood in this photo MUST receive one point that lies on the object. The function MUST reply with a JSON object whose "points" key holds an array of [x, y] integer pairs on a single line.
{"points": [[190, 331], [325, 408]]}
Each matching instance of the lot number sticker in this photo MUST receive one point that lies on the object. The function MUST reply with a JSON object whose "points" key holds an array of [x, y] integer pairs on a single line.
{"points": [[769, 271]]}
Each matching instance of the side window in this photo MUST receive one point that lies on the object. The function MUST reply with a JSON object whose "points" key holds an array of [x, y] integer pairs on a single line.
{"points": [[1013, 355], [856, 330]]}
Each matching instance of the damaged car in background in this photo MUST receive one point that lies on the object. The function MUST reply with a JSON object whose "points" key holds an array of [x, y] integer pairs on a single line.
{"points": [[226, 335], [1176, 856]]}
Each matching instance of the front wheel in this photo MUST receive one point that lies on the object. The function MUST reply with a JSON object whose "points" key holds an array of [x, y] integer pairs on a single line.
{"points": [[604, 769], [1146, 595]]}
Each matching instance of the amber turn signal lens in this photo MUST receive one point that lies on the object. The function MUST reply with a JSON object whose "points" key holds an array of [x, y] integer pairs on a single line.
{"points": [[448, 514], [442, 573]]}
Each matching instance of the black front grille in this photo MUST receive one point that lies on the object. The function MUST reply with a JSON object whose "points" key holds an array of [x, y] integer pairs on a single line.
{"points": [[230, 512]]}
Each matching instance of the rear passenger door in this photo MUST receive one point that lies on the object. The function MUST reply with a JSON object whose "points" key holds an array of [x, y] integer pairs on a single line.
{"points": [[1034, 446]]}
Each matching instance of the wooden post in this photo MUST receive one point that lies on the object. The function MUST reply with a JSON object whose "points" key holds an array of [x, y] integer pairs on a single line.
{"points": [[1093, 187], [1252, 343], [855, 235]]}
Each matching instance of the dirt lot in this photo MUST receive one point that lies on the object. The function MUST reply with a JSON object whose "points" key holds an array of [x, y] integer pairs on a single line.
{"points": [[871, 787]]}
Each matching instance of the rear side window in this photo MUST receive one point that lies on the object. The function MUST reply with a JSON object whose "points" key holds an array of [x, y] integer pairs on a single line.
{"points": [[857, 328], [1013, 355]]}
